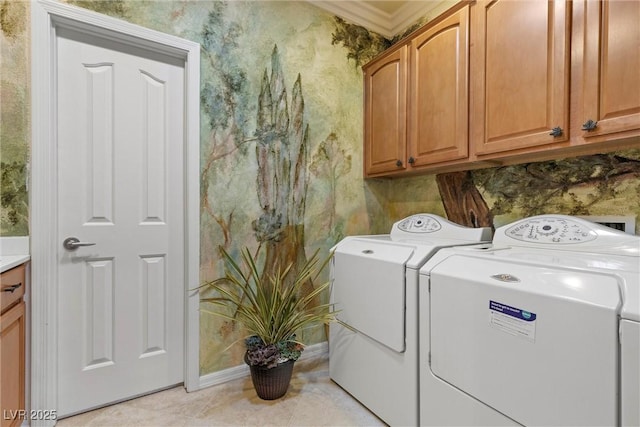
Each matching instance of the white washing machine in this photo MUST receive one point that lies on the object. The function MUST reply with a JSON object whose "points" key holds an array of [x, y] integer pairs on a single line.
{"points": [[373, 348], [540, 328]]}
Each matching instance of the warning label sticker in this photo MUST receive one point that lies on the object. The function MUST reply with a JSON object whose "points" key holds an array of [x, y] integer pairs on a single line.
{"points": [[512, 320]]}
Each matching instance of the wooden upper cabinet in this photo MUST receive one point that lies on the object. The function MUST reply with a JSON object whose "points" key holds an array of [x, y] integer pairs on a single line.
{"points": [[611, 88], [494, 82], [439, 92], [385, 112], [520, 75]]}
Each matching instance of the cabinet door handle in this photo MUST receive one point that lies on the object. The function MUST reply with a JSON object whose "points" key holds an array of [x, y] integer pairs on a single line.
{"points": [[399, 163], [556, 131], [411, 160], [11, 288], [589, 125]]}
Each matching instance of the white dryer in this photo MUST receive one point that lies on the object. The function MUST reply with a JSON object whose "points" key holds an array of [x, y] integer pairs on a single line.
{"points": [[540, 328], [373, 348]]}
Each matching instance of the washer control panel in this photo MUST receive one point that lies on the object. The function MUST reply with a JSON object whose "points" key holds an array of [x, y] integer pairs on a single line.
{"points": [[550, 229], [420, 224], [426, 227]]}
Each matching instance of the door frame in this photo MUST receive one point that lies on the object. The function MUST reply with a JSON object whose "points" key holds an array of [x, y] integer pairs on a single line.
{"points": [[46, 17]]}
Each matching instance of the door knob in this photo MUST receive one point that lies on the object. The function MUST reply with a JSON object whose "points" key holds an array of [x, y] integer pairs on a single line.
{"points": [[73, 243]]}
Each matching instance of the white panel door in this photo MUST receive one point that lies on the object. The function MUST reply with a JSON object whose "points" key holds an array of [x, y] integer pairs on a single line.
{"points": [[121, 187]]}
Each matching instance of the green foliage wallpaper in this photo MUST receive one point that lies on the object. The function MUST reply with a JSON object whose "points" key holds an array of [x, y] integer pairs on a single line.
{"points": [[601, 184], [14, 117], [281, 142]]}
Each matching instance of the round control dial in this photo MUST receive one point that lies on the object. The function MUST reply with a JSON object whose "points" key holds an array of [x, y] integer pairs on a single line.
{"points": [[551, 230]]}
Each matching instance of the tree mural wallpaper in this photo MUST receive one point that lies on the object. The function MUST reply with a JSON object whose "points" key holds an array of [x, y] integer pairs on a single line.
{"points": [[258, 134], [281, 152], [462, 201], [600, 184], [281, 143], [14, 118], [573, 186], [333, 162], [223, 96], [362, 45]]}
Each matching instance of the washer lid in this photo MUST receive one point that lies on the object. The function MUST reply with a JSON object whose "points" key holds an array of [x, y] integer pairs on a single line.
{"points": [[576, 242], [537, 343], [625, 268], [369, 289], [420, 250]]}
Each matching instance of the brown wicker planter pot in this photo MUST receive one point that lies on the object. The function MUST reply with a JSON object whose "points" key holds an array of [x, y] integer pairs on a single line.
{"points": [[272, 383]]}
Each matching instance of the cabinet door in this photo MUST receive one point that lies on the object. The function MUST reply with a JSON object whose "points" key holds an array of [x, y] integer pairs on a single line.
{"points": [[612, 66], [12, 359], [520, 74], [439, 103], [385, 109]]}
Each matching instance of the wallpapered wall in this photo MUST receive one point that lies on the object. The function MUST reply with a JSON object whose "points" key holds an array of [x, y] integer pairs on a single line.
{"points": [[15, 123], [285, 78]]}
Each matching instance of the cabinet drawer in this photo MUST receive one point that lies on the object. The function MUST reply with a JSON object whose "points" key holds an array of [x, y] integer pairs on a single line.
{"points": [[12, 284]]}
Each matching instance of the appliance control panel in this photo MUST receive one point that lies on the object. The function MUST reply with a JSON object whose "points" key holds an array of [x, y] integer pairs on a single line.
{"points": [[426, 227], [564, 232], [420, 223], [550, 229]]}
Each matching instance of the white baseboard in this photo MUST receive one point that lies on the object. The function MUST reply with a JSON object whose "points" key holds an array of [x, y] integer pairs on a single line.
{"points": [[241, 371]]}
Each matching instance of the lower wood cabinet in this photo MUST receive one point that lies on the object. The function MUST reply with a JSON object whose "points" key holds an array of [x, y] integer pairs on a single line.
{"points": [[12, 348]]}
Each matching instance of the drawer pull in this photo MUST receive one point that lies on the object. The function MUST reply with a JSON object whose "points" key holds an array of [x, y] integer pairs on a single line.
{"points": [[11, 288], [589, 125], [556, 131]]}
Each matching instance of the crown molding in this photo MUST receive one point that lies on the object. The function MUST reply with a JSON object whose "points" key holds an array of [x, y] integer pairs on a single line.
{"points": [[374, 19]]}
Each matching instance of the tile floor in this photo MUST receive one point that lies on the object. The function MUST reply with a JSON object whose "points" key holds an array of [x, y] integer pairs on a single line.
{"points": [[312, 400]]}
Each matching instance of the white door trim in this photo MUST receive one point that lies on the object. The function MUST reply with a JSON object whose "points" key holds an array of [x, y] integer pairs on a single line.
{"points": [[46, 17]]}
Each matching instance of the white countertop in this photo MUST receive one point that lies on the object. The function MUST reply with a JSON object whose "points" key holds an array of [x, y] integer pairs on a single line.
{"points": [[13, 252], [7, 262]]}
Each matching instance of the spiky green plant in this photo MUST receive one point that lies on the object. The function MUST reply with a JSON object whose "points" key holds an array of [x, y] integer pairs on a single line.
{"points": [[271, 308]]}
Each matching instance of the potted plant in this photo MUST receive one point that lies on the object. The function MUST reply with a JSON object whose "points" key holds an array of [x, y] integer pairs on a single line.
{"points": [[273, 309]]}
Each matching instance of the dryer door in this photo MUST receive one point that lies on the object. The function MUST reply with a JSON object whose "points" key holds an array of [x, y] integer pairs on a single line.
{"points": [[369, 289], [538, 344]]}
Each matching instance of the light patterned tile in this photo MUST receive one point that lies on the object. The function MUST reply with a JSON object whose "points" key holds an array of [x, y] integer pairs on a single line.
{"points": [[312, 400]]}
